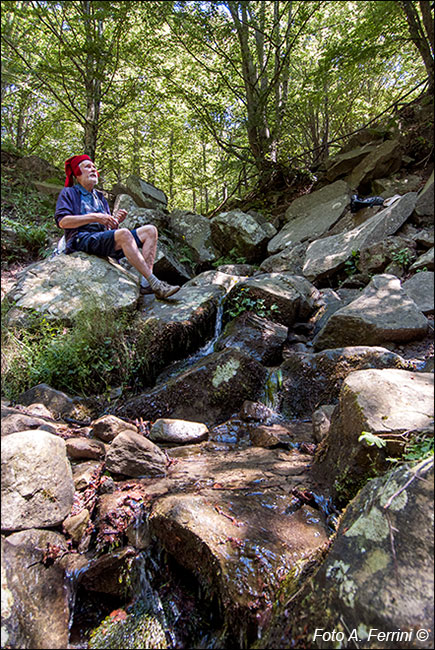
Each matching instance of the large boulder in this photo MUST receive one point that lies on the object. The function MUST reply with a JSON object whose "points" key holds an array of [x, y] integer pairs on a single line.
{"points": [[282, 297], [61, 287], [383, 312], [327, 256], [35, 599], [387, 403], [145, 194], [345, 161], [309, 379], [384, 160], [375, 587], [259, 337], [312, 215], [195, 232], [420, 288], [238, 528], [172, 329], [37, 484], [137, 216], [241, 234], [424, 208], [210, 391]]}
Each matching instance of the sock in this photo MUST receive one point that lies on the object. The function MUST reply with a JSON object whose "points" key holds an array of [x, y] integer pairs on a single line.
{"points": [[153, 282], [144, 282]]}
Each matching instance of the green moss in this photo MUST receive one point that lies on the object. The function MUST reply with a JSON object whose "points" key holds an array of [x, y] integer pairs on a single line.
{"points": [[137, 629]]}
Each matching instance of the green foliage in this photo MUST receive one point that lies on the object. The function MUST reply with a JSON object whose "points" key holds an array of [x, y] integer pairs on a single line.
{"points": [[88, 357], [242, 302], [351, 265], [402, 257], [230, 258], [372, 439], [420, 446], [28, 218]]}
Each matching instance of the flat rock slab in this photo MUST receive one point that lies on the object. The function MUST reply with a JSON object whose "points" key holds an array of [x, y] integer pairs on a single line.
{"points": [[384, 312], [311, 215], [62, 286], [328, 255], [234, 522]]}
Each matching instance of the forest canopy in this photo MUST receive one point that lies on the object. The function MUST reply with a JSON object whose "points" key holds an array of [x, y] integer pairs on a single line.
{"points": [[205, 99]]}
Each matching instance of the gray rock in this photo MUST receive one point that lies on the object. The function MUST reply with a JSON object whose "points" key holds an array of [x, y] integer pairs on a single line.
{"points": [[345, 162], [37, 483], [283, 297], [321, 421], [172, 329], [242, 234], [220, 278], [385, 159], [326, 256], [85, 448], [195, 232], [425, 203], [62, 286], [385, 402], [21, 422], [388, 187], [145, 194], [377, 578], [131, 454], [35, 598], [425, 262], [420, 288], [311, 215], [137, 216], [382, 313], [309, 380], [209, 391], [258, 337], [291, 260], [58, 402], [177, 431], [108, 427]]}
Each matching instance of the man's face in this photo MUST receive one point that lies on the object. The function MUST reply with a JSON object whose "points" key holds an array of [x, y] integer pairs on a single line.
{"points": [[88, 172]]}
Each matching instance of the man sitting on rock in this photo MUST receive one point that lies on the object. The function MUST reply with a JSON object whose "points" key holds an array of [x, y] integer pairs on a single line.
{"points": [[84, 214]]}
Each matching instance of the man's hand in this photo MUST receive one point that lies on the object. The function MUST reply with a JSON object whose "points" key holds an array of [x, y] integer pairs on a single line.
{"points": [[120, 215], [106, 219]]}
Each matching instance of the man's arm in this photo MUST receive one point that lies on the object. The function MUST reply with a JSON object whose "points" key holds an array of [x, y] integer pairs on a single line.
{"points": [[75, 221]]}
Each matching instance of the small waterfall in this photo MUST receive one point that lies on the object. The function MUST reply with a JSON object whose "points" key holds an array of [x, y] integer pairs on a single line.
{"points": [[147, 594], [271, 396], [207, 348]]}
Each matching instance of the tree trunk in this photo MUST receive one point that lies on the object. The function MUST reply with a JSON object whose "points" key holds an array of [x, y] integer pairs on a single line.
{"points": [[421, 40]]}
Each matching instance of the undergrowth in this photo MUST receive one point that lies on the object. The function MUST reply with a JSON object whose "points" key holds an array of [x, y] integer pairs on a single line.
{"points": [[89, 356]]}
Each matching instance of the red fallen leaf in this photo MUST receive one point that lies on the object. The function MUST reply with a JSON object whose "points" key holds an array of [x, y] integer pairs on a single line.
{"points": [[217, 486], [118, 615]]}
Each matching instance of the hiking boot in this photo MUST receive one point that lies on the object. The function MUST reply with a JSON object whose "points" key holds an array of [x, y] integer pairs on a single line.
{"points": [[164, 290]]}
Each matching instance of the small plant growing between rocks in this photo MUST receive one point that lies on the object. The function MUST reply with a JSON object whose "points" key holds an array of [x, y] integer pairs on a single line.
{"points": [[402, 257], [351, 265], [243, 302]]}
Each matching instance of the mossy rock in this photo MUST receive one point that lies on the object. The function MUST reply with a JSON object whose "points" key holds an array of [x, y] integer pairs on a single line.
{"points": [[137, 629]]}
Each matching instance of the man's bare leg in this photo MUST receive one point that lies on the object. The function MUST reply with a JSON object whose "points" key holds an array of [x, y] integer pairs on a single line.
{"points": [[143, 260]]}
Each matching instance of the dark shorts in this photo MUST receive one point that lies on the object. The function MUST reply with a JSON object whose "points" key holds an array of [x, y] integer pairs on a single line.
{"points": [[101, 243]]}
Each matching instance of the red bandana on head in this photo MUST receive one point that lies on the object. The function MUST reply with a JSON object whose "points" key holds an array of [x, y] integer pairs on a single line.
{"points": [[72, 168]]}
